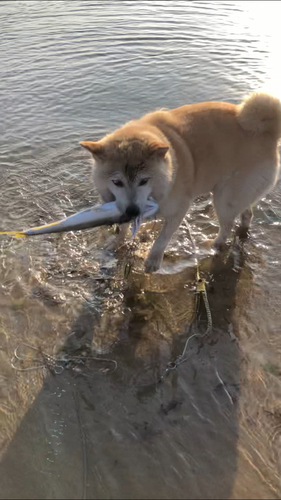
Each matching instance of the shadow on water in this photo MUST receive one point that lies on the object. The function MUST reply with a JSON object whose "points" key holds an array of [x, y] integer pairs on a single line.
{"points": [[97, 434]]}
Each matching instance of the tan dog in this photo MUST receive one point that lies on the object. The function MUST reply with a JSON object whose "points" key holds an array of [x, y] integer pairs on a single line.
{"points": [[174, 156]]}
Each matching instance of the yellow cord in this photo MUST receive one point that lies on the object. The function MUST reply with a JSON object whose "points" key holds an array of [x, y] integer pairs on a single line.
{"points": [[22, 234], [16, 234]]}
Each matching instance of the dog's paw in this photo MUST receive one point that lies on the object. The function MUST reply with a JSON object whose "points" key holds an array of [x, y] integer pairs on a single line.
{"points": [[153, 263]]}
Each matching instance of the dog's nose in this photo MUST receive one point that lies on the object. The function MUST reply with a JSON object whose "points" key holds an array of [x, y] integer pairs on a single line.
{"points": [[132, 210]]}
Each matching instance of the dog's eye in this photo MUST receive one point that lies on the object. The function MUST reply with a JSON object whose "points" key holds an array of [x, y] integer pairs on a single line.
{"points": [[118, 183], [143, 182]]}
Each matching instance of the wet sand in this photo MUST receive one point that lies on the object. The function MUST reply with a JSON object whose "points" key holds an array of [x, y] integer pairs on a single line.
{"points": [[96, 434]]}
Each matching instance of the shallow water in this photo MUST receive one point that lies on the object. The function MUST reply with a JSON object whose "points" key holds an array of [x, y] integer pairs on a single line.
{"points": [[75, 70]]}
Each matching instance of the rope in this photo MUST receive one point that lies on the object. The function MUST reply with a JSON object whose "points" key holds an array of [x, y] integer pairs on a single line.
{"points": [[201, 292], [56, 364]]}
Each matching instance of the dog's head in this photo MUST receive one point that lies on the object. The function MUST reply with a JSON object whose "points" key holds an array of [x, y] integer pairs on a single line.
{"points": [[131, 165]]}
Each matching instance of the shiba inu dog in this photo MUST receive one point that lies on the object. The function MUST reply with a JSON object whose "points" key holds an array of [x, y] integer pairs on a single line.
{"points": [[176, 155]]}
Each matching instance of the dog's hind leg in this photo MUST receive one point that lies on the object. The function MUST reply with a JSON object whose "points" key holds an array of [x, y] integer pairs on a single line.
{"points": [[227, 219], [246, 219], [234, 197], [227, 211], [226, 224]]}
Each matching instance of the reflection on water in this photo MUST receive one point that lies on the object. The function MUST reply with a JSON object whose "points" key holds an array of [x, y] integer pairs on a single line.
{"points": [[212, 428]]}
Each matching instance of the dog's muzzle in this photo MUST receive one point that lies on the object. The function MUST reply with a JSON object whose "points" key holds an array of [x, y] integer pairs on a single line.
{"points": [[132, 211]]}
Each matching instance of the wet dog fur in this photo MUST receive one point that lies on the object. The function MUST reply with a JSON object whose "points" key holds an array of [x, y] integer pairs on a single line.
{"points": [[176, 155]]}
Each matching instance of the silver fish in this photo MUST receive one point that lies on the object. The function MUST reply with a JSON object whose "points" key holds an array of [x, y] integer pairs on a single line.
{"points": [[99, 215]]}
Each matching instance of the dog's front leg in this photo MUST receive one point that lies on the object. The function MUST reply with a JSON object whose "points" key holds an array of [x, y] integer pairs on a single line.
{"points": [[171, 224]]}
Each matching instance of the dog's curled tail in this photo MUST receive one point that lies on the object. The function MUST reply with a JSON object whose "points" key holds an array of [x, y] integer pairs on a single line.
{"points": [[260, 113]]}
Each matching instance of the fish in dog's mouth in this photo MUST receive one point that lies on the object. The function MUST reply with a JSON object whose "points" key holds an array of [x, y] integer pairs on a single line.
{"points": [[150, 210], [131, 213]]}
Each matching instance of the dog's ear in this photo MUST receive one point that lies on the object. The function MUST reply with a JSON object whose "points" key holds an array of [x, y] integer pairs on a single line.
{"points": [[96, 148], [158, 149]]}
